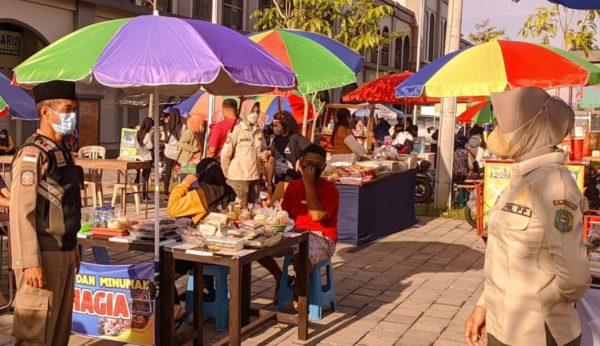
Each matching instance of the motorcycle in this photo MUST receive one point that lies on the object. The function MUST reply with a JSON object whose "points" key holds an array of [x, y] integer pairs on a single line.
{"points": [[424, 182]]}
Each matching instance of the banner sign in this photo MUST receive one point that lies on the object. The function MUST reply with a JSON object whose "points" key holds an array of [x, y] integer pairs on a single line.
{"points": [[10, 42], [115, 302], [127, 148]]}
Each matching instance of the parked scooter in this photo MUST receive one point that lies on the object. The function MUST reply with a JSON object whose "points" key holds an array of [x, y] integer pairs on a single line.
{"points": [[424, 182]]}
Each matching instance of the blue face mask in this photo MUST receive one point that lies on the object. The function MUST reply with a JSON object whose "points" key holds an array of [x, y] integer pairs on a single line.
{"points": [[66, 123]]}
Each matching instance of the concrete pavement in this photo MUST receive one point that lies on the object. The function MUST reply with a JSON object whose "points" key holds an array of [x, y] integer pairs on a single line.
{"points": [[415, 287]]}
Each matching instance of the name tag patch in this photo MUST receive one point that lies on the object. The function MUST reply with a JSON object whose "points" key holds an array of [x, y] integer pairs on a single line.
{"points": [[60, 159], [517, 209], [565, 203]]}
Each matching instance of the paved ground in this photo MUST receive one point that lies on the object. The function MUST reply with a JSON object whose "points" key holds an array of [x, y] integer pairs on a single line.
{"points": [[415, 287]]}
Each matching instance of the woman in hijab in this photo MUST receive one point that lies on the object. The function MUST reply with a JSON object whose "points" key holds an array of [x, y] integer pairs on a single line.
{"points": [[198, 195], [536, 264], [144, 143], [345, 145], [7, 146], [175, 127], [460, 166]]}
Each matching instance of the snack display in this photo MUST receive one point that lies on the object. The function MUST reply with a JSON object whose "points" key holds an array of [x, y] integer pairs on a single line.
{"points": [[223, 243], [166, 228]]}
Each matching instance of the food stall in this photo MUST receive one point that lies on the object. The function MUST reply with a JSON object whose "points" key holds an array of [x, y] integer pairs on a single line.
{"points": [[376, 197], [234, 237]]}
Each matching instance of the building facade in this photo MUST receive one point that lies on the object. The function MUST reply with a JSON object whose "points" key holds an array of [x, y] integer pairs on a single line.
{"points": [[30, 25]]}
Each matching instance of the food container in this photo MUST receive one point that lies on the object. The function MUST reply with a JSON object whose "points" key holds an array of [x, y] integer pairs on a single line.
{"points": [[224, 244], [262, 241], [192, 239]]}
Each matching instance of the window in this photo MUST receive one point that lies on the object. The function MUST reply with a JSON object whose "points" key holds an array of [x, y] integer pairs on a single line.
{"points": [[233, 14], [425, 38], [202, 10], [431, 39], [398, 54], [385, 50], [406, 53], [443, 38]]}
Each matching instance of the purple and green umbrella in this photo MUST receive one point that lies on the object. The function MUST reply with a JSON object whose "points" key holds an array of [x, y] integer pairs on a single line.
{"points": [[177, 55]]}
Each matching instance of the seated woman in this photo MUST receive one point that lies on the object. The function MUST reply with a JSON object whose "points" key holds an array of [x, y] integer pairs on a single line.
{"points": [[345, 145], [197, 196]]}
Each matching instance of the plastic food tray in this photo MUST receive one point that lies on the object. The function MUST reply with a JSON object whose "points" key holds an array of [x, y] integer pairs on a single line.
{"points": [[225, 244]]}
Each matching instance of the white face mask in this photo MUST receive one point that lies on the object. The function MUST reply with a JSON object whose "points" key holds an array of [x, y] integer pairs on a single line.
{"points": [[66, 123], [253, 118]]}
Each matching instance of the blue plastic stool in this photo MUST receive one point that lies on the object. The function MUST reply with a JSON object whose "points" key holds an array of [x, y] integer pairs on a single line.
{"points": [[219, 308], [318, 295]]}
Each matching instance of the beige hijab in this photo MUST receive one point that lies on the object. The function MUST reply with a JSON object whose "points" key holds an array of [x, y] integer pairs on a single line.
{"points": [[539, 121], [246, 109]]}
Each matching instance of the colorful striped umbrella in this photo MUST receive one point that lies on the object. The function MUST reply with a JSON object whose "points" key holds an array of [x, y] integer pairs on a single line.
{"points": [[198, 104], [292, 103], [15, 101], [3, 107], [319, 62], [480, 113], [579, 4], [165, 52], [496, 66]]}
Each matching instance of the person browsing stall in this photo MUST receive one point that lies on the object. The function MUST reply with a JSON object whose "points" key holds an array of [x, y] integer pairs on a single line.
{"points": [[45, 216], [313, 204], [240, 155], [536, 264], [286, 150], [219, 131], [345, 145]]}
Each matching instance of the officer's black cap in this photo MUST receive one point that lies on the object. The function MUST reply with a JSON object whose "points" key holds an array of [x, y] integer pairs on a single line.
{"points": [[53, 90]]}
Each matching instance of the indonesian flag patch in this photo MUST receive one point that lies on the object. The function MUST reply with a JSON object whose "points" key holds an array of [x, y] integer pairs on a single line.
{"points": [[30, 157]]}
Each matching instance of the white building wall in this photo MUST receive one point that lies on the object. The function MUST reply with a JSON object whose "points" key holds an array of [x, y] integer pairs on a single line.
{"points": [[52, 18]]}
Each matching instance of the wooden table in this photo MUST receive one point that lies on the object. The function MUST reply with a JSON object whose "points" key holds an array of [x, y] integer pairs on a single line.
{"points": [[108, 164], [162, 336], [240, 277]]}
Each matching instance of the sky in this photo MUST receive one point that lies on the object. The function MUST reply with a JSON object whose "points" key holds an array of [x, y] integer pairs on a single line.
{"points": [[502, 14]]}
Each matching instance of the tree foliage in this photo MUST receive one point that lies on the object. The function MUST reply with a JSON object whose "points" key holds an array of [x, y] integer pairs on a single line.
{"points": [[547, 23], [354, 23], [484, 32]]}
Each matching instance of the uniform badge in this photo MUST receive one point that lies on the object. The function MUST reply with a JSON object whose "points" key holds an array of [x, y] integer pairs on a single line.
{"points": [[517, 209], [563, 220], [30, 157], [566, 203], [60, 159], [27, 177]]}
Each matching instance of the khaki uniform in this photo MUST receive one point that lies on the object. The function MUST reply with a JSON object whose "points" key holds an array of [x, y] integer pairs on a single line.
{"points": [[536, 265], [240, 159], [45, 216]]}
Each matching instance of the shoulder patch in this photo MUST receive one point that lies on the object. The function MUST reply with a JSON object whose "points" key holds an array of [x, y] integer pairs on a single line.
{"points": [[565, 203], [29, 157], [563, 220], [27, 177], [60, 158]]}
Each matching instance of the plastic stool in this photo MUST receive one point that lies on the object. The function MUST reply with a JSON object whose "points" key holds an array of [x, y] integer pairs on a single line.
{"points": [[219, 308], [318, 295]]}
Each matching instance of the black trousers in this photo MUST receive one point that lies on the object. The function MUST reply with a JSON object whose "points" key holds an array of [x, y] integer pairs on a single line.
{"points": [[169, 164]]}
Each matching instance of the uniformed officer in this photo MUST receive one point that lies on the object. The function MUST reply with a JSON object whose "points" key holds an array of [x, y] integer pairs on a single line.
{"points": [[240, 156], [45, 213], [536, 264]]}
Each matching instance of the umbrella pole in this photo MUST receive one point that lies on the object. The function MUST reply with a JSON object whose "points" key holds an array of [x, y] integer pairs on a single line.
{"points": [[211, 110], [305, 118], [155, 104]]}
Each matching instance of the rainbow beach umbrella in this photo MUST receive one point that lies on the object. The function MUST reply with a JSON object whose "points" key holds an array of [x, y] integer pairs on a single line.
{"points": [[292, 103], [319, 62], [496, 66], [479, 113]]}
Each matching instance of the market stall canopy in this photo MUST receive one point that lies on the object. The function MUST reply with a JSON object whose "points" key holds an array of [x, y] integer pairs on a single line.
{"points": [[319, 62], [382, 90], [480, 113], [497, 66], [579, 4], [177, 55], [15, 101], [589, 97]]}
